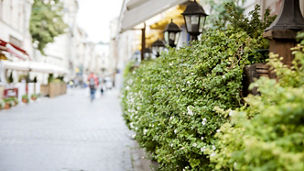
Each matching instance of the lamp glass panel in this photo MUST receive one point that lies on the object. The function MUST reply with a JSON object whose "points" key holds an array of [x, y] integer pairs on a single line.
{"points": [[156, 50], [166, 36], [202, 23], [194, 19], [195, 23], [172, 36], [188, 23], [161, 49], [176, 38]]}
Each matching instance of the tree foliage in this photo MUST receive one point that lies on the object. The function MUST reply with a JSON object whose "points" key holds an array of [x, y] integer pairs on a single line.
{"points": [[46, 22]]}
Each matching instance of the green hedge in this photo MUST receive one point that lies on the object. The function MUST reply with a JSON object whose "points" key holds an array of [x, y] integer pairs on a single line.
{"points": [[268, 135], [186, 110], [180, 105], [170, 102]]}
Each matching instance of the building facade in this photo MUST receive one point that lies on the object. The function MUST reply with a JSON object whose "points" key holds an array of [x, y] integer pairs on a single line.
{"points": [[14, 23]]}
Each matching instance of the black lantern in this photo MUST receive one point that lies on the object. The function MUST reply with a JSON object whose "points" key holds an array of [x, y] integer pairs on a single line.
{"points": [[157, 47], [172, 32], [147, 53], [195, 18], [290, 17]]}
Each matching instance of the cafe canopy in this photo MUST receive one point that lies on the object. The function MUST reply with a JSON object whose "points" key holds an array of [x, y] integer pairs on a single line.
{"points": [[135, 12]]}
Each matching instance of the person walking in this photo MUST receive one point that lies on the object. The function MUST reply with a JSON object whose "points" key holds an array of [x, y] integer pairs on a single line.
{"points": [[101, 86], [93, 84]]}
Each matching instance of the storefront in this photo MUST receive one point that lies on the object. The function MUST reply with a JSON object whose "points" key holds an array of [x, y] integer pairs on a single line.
{"points": [[19, 74]]}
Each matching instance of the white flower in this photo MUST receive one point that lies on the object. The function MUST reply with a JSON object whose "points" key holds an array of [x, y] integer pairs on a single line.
{"points": [[194, 145], [189, 111], [203, 149], [202, 138], [224, 76], [145, 131], [171, 117], [212, 154], [231, 113], [188, 82], [213, 147], [218, 130], [175, 131], [204, 122], [171, 145]]}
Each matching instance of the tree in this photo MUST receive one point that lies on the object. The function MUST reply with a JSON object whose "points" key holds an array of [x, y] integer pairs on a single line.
{"points": [[46, 22]]}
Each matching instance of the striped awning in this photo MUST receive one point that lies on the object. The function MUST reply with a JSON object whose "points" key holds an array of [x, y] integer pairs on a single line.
{"points": [[14, 50]]}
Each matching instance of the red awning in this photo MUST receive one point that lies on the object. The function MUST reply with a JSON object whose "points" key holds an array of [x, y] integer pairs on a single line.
{"points": [[14, 50]]}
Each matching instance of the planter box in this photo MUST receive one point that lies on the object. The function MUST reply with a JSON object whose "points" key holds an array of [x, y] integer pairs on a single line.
{"points": [[44, 90], [53, 89]]}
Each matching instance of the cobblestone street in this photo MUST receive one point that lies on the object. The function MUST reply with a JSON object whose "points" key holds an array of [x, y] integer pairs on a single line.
{"points": [[68, 133]]}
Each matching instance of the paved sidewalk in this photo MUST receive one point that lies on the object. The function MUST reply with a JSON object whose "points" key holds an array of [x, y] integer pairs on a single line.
{"points": [[68, 133]]}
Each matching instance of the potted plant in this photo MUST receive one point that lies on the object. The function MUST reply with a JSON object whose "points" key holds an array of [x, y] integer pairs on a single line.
{"points": [[25, 98], [7, 104], [34, 97]]}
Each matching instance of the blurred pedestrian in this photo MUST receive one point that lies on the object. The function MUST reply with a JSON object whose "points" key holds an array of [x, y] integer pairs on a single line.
{"points": [[101, 85], [93, 84]]}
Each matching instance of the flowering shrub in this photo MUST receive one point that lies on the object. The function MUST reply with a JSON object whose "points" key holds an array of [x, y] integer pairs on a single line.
{"points": [[169, 102], [267, 135]]}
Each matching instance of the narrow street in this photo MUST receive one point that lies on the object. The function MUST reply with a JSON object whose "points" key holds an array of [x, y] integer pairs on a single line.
{"points": [[68, 133]]}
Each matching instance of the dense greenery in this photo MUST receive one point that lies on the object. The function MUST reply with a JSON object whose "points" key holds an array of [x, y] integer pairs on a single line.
{"points": [[170, 102], [46, 22], [267, 135], [187, 110]]}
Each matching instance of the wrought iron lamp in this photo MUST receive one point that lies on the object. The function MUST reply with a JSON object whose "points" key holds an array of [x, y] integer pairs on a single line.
{"points": [[171, 34], [195, 18], [147, 53], [282, 32], [157, 47]]}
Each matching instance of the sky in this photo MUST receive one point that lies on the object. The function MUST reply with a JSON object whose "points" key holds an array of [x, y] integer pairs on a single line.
{"points": [[95, 15]]}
